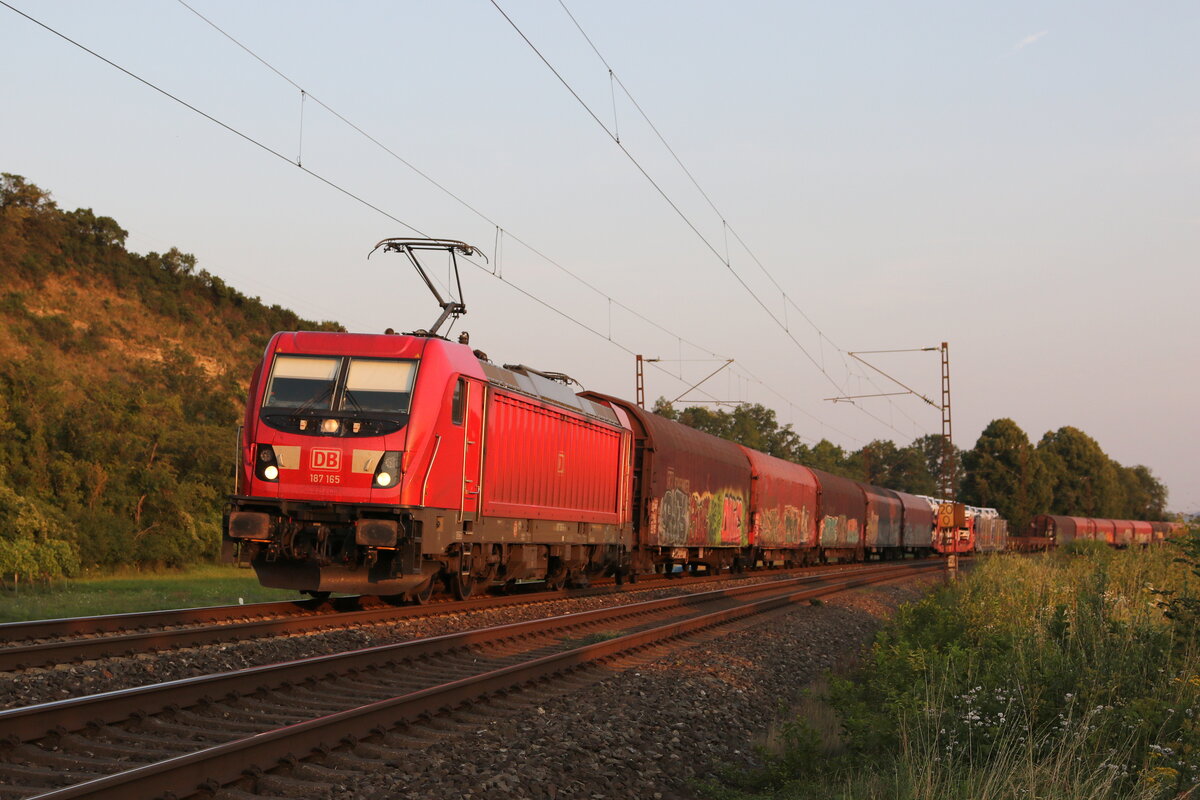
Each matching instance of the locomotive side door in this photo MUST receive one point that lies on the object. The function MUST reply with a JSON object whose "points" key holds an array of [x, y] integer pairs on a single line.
{"points": [[469, 408]]}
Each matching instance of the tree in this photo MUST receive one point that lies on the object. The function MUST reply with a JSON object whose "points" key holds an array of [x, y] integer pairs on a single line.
{"points": [[930, 446], [1145, 496], [1005, 472], [750, 424], [1083, 479], [905, 469]]}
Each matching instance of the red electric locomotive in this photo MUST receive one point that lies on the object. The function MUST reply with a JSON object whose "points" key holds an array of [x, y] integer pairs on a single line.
{"points": [[379, 463], [384, 463]]}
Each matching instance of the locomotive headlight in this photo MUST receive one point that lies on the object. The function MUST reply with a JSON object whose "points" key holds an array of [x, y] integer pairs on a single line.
{"points": [[388, 470], [330, 426], [267, 468]]}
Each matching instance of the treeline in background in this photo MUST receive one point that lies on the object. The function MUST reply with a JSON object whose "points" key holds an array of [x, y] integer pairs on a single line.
{"points": [[122, 381]]}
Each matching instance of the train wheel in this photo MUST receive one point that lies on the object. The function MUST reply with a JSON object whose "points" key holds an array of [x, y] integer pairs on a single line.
{"points": [[464, 586], [556, 580], [422, 593], [318, 596]]}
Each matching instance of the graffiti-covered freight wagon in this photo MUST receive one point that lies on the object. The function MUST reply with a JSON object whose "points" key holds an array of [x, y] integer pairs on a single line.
{"points": [[692, 494], [784, 502]]}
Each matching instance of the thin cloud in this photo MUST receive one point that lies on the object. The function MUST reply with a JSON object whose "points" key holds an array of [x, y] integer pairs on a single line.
{"points": [[1028, 40]]}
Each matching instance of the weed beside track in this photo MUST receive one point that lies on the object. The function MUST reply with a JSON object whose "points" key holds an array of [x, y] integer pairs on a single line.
{"points": [[1073, 675]]}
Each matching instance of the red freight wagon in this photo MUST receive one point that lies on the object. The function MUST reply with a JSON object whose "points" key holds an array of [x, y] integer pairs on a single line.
{"points": [[1058, 530], [1165, 530], [884, 519], [842, 515], [1105, 531], [692, 500], [1143, 533], [918, 518], [1085, 528], [783, 500], [1122, 532]]}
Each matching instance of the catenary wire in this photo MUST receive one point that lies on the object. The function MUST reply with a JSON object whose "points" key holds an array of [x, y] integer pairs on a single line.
{"points": [[500, 229], [361, 200], [687, 221], [712, 204]]}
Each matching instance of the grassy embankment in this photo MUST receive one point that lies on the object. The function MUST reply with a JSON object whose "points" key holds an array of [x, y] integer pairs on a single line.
{"points": [[132, 591], [1075, 675]]}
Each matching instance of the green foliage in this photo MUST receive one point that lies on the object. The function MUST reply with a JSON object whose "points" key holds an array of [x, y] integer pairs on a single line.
{"points": [[1003, 471], [117, 440], [36, 540], [882, 463], [1059, 676], [1083, 479], [1086, 482], [750, 424], [931, 446], [1181, 604]]}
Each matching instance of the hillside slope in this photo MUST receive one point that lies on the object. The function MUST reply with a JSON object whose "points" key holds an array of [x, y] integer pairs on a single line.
{"points": [[121, 380]]}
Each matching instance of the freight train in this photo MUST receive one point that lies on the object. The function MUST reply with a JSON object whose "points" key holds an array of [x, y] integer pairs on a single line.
{"points": [[399, 464], [1048, 531]]}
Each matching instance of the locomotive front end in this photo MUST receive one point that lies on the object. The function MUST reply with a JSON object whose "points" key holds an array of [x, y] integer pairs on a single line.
{"points": [[318, 505]]}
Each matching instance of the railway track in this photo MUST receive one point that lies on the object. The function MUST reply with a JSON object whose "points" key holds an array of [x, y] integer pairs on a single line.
{"points": [[42, 643], [355, 709]]}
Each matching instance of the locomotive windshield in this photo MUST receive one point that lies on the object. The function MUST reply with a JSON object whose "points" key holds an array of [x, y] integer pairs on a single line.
{"points": [[302, 382], [305, 389], [378, 385]]}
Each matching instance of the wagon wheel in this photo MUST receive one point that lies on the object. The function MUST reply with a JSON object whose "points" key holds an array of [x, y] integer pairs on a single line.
{"points": [[467, 584], [422, 593], [557, 579], [463, 585]]}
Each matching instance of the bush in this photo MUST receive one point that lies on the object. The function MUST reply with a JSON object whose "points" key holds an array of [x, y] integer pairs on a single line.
{"points": [[1072, 676]]}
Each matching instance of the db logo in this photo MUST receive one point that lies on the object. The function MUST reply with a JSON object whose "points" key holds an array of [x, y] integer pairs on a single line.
{"points": [[330, 460]]}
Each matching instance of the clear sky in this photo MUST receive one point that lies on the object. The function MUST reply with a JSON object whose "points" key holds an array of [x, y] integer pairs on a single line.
{"points": [[1019, 179]]}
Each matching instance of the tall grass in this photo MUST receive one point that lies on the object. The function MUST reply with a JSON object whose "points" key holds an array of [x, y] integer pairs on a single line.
{"points": [[1071, 675]]}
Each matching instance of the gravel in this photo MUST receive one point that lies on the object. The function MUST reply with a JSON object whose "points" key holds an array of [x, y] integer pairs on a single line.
{"points": [[649, 731], [42, 685]]}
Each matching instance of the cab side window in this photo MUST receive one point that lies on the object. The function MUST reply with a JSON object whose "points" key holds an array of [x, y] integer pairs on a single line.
{"points": [[458, 406]]}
